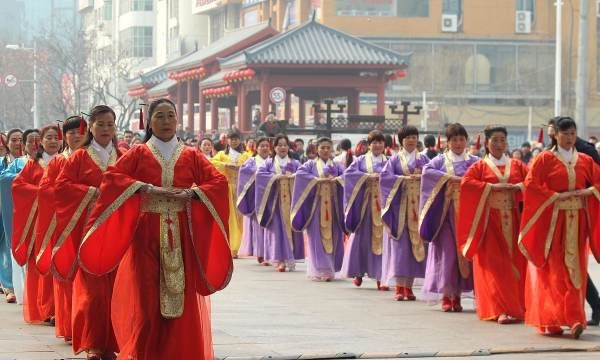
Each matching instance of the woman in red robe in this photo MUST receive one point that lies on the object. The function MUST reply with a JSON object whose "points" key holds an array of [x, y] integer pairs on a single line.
{"points": [[38, 302], [489, 199], [560, 213], [164, 208], [46, 229], [78, 185]]}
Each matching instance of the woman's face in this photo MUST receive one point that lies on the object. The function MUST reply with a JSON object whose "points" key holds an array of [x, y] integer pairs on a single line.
{"points": [[233, 142], [15, 144], [566, 139], [206, 147], [457, 144], [103, 128], [497, 144], [517, 155], [324, 150], [50, 141], [376, 147], [164, 121], [409, 143], [282, 148], [74, 139], [32, 143], [264, 148]]}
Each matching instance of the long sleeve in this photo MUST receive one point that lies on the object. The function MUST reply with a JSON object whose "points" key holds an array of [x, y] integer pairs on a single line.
{"points": [[25, 199]]}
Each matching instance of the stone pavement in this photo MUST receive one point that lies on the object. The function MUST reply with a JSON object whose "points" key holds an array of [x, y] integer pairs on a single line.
{"points": [[284, 315]]}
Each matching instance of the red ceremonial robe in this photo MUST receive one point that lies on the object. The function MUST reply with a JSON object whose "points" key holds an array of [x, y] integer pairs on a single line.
{"points": [[170, 253], [554, 237], [488, 235], [78, 185], [46, 231], [38, 302]]}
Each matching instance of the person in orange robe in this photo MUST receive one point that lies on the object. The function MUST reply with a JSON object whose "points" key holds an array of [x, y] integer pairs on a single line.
{"points": [[162, 219], [490, 194], [38, 302], [560, 213], [78, 185], [46, 225]]}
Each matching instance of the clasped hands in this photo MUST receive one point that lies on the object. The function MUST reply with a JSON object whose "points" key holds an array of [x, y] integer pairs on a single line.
{"points": [[175, 193], [576, 193]]}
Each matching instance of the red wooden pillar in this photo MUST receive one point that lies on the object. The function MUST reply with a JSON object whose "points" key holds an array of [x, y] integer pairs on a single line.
{"points": [[287, 110], [265, 103], [243, 118], [190, 106], [202, 110], [381, 96], [214, 114], [180, 101], [302, 113]]}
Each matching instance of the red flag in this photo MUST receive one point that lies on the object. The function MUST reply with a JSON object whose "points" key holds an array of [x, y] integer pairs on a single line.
{"points": [[82, 125], [59, 131], [478, 142], [141, 124], [439, 142], [541, 136]]}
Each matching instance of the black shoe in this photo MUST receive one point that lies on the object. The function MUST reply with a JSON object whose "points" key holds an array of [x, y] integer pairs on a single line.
{"points": [[595, 321]]}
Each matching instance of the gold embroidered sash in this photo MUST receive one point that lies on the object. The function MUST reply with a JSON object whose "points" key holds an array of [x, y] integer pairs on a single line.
{"points": [[373, 194], [172, 269], [503, 201], [409, 209], [571, 208], [285, 186], [452, 196], [325, 194]]}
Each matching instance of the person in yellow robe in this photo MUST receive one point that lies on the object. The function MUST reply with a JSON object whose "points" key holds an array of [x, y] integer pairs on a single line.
{"points": [[228, 163]]}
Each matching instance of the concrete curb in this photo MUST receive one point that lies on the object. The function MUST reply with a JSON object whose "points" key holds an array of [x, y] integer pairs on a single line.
{"points": [[416, 355]]}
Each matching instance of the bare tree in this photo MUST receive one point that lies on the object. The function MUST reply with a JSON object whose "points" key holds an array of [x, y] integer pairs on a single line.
{"points": [[63, 71], [111, 71]]}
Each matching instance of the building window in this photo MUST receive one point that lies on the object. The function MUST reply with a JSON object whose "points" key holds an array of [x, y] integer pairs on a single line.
{"points": [[107, 10], [526, 5], [173, 8], [126, 6], [403, 8], [136, 41], [174, 47], [413, 8], [452, 7]]}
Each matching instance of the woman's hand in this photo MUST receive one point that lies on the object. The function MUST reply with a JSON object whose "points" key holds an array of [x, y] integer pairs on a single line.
{"points": [[455, 179], [504, 187]]}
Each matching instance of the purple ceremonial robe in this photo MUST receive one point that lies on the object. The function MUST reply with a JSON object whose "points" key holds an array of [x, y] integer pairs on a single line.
{"points": [[308, 200], [398, 258], [279, 246], [437, 225], [359, 257], [253, 243]]}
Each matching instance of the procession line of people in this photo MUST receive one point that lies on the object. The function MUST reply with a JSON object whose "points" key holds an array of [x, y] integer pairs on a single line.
{"points": [[508, 233]]}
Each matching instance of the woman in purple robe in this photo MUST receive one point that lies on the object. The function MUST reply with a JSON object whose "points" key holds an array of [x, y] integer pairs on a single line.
{"points": [[404, 251], [362, 204], [317, 207], [447, 272], [273, 201], [253, 243]]}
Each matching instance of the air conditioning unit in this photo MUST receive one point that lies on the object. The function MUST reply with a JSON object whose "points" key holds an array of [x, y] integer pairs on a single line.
{"points": [[523, 22], [449, 23]]}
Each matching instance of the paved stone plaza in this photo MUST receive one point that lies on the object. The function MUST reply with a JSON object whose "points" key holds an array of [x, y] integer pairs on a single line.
{"points": [[285, 315]]}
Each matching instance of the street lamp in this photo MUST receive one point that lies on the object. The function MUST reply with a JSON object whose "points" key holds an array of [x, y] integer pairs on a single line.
{"points": [[36, 121]]}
